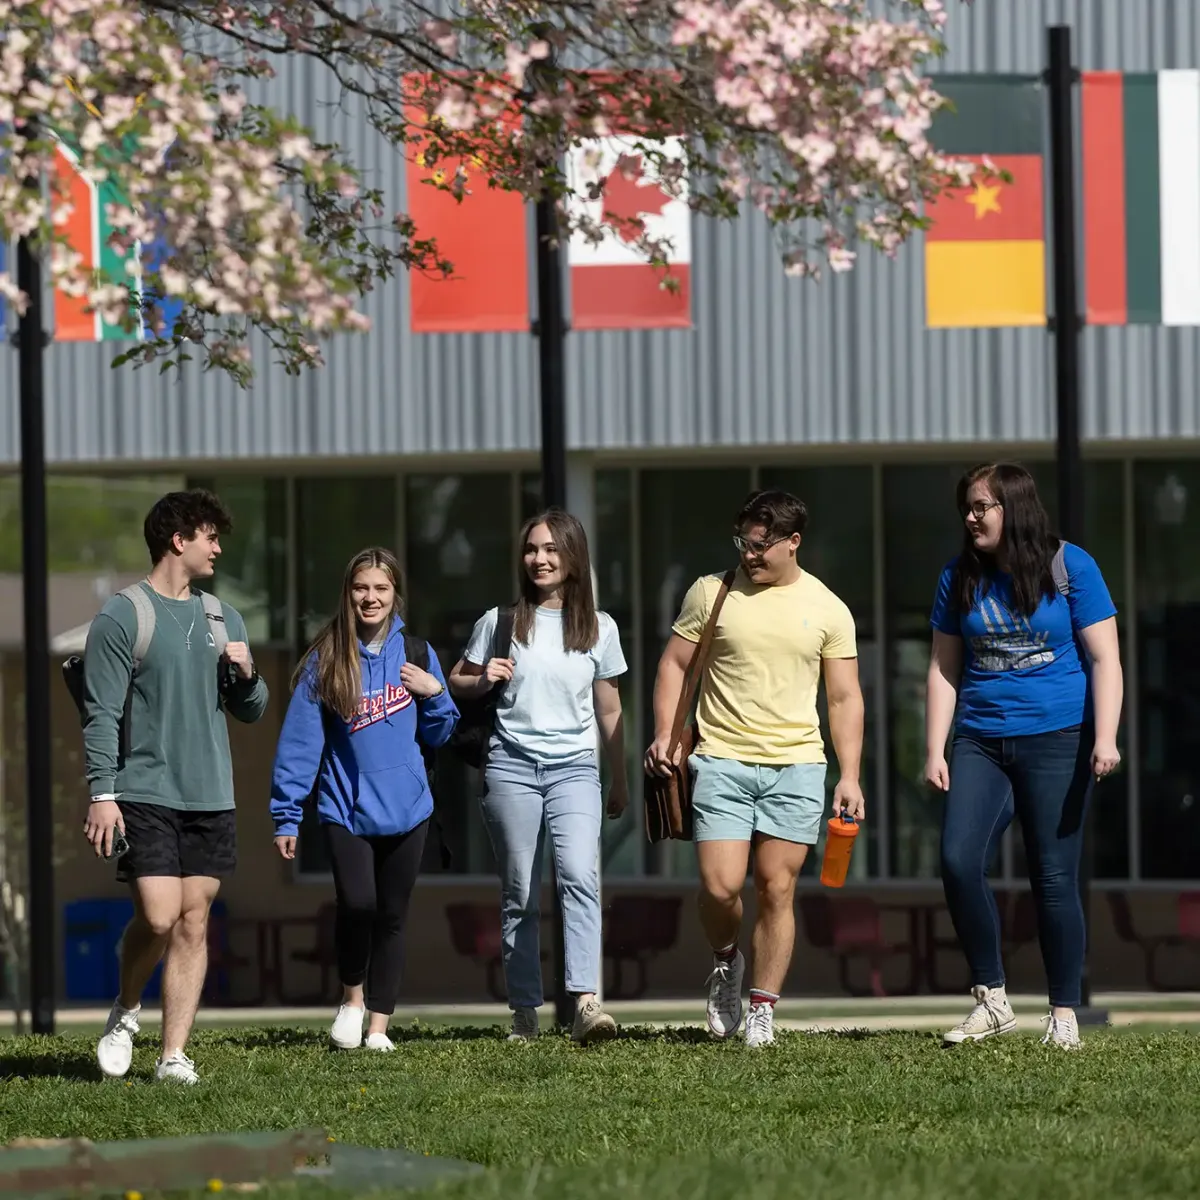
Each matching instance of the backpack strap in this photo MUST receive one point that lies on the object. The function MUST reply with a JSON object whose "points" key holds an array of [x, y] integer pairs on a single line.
{"points": [[502, 640], [1058, 570], [144, 611], [214, 614], [416, 650]]}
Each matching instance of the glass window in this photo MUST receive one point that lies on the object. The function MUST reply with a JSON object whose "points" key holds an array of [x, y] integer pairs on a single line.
{"points": [[95, 547], [838, 548], [685, 526], [252, 572], [460, 537], [1167, 507], [335, 519]]}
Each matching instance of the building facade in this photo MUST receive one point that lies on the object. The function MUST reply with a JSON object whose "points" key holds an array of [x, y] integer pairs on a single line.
{"points": [[836, 391]]}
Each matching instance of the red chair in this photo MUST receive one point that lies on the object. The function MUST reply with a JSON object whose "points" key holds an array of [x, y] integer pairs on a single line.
{"points": [[475, 934], [636, 928], [851, 928], [1151, 945]]}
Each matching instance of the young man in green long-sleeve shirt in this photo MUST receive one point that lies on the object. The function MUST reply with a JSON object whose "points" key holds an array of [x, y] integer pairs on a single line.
{"points": [[166, 786]]}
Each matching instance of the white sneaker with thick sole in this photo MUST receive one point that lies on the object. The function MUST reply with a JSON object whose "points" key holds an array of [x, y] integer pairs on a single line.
{"points": [[177, 1068], [1062, 1032], [346, 1033], [592, 1024], [991, 1015], [379, 1041], [760, 1025], [725, 995], [114, 1051], [524, 1025]]}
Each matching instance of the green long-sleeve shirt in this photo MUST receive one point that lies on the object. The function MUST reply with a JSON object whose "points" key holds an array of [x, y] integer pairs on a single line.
{"points": [[178, 739]]}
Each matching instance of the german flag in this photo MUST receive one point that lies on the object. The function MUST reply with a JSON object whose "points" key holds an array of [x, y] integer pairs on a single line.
{"points": [[985, 251]]}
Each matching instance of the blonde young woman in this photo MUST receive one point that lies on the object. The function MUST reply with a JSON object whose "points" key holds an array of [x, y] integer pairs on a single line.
{"points": [[359, 714], [559, 687]]}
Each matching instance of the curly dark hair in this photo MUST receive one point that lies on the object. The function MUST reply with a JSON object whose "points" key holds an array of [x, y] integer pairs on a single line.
{"points": [[781, 513], [1029, 542], [183, 513]]}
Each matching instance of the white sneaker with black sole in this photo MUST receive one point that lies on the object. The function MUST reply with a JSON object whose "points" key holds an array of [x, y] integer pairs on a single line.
{"points": [[346, 1033], [725, 995], [114, 1051], [991, 1015]]}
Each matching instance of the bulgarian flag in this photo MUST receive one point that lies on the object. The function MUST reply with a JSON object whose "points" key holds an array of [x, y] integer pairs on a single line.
{"points": [[985, 250], [88, 231], [612, 284], [1141, 197]]}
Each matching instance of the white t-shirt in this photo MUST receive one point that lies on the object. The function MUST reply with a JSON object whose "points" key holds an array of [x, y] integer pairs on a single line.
{"points": [[547, 710]]}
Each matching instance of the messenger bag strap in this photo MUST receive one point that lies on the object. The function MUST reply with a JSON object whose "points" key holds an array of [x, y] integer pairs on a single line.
{"points": [[697, 664]]}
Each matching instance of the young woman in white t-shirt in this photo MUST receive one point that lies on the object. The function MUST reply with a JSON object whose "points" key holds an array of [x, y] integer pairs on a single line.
{"points": [[560, 686]]}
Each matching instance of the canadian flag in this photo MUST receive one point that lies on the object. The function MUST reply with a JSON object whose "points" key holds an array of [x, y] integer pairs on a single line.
{"points": [[612, 284]]}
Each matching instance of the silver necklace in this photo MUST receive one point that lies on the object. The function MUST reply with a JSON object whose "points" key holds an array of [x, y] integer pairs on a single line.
{"points": [[187, 633]]}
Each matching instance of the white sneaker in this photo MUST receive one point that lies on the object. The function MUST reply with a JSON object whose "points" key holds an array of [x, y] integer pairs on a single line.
{"points": [[725, 995], [760, 1025], [176, 1067], [346, 1033], [114, 1051], [991, 1015], [379, 1041], [524, 1025], [592, 1023], [1062, 1032]]}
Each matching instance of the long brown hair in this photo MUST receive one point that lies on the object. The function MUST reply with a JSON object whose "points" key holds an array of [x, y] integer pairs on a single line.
{"points": [[338, 681], [1029, 542], [581, 629]]}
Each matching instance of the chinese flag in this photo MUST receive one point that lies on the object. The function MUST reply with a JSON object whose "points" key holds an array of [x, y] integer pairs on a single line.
{"points": [[484, 236]]}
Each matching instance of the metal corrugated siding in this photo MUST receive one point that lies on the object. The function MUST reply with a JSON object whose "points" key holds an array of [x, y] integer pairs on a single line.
{"points": [[770, 361]]}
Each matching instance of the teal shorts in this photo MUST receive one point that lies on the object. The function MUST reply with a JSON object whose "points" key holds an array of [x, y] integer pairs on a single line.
{"points": [[733, 800]]}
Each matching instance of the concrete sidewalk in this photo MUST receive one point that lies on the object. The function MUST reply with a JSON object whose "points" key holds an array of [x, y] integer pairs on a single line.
{"points": [[812, 1013]]}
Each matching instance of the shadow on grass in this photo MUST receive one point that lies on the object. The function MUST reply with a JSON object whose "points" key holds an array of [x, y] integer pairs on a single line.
{"points": [[45, 1065], [280, 1037]]}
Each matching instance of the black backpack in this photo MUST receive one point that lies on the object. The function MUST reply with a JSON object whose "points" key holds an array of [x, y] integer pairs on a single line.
{"points": [[477, 717]]}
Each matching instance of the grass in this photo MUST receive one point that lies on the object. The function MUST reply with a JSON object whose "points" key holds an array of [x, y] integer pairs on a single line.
{"points": [[669, 1114]]}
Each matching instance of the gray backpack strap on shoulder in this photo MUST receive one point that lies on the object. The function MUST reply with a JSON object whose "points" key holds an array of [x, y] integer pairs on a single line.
{"points": [[215, 616], [1058, 570], [143, 608]]}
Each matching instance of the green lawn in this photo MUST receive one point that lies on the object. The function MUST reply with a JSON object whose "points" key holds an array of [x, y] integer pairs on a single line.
{"points": [[670, 1115]]}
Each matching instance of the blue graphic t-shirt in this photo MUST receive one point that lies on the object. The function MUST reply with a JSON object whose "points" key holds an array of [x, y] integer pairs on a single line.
{"points": [[1024, 675]]}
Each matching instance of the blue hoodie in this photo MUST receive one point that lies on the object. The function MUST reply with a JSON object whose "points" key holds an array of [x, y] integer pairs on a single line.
{"points": [[369, 772]]}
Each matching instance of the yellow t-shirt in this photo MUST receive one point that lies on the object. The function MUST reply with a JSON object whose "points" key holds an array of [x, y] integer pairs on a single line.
{"points": [[758, 699]]}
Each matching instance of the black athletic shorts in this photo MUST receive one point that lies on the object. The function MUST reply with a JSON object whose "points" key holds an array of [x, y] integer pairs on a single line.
{"points": [[177, 842]]}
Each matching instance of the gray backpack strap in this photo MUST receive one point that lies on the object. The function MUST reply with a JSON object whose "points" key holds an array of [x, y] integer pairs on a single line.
{"points": [[1058, 570], [215, 616], [143, 608]]}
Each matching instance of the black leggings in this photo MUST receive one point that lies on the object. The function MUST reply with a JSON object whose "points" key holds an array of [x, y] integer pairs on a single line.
{"points": [[373, 878]]}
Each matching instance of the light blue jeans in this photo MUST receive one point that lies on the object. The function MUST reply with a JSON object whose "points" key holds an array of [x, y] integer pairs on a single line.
{"points": [[523, 799]]}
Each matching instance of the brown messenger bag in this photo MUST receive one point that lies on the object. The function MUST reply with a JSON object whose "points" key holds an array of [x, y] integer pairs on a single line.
{"points": [[668, 798]]}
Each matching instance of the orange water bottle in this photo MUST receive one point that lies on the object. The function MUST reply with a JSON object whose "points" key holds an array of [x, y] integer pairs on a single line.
{"points": [[839, 841]]}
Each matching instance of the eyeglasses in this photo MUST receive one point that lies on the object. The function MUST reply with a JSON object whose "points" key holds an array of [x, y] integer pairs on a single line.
{"points": [[981, 508], [746, 546]]}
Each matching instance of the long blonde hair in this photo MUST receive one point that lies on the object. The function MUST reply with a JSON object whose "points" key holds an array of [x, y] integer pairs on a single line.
{"points": [[581, 629], [338, 676]]}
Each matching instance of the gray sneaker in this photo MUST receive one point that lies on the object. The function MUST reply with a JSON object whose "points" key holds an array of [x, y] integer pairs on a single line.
{"points": [[991, 1015], [592, 1023], [725, 1010], [1062, 1032], [524, 1025]]}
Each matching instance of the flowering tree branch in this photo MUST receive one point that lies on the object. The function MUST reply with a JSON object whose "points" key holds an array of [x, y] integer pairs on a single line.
{"points": [[815, 112]]}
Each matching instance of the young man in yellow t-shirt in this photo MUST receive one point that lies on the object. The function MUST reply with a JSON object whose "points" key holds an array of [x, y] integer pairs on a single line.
{"points": [[760, 764]]}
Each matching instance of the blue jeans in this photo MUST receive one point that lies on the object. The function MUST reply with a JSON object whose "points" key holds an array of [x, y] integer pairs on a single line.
{"points": [[523, 799], [1046, 781]]}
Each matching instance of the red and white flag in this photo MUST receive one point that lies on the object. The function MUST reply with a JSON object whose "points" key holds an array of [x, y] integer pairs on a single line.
{"points": [[612, 284]]}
